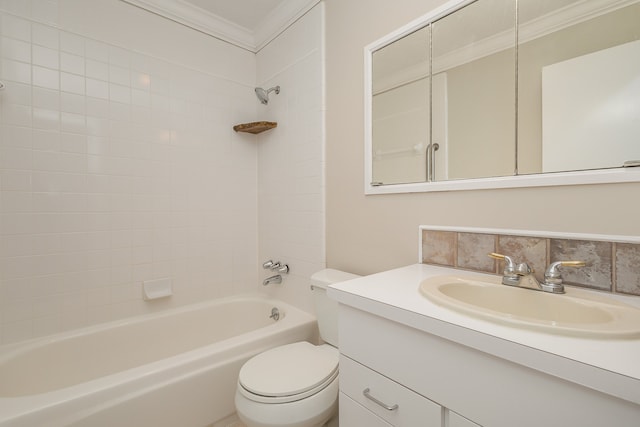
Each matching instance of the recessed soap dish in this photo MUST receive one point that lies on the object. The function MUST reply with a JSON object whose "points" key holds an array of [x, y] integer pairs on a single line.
{"points": [[158, 288]]}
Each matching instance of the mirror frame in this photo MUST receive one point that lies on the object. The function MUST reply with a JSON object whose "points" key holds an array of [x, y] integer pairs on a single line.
{"points": [[586, 177]]}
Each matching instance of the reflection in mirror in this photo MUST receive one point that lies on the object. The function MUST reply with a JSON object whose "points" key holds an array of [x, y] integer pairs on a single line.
{"points": [[579, 85], [479, 90], [400, 110], [558, 92]]}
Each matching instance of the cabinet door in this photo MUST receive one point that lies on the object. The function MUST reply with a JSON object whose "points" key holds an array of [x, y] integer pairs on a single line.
{"points": [[456, 420], [352, 414]]}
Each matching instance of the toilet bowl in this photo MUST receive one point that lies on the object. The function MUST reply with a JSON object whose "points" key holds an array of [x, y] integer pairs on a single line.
{"points": [[296, 385]]}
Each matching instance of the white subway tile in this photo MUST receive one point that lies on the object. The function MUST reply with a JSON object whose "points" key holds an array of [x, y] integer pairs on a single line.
{"points": [[16, 201], [45, 140], [119, 75], [15, 158], [72, 63], [46, 77], [73, 143], [98, 240], [119, 93], [119, 56], [45, 11], [15, 49], [15, 180], [16, 71], [16, 289], [71, 43], [96, 50], [15, 136], [46, 98], [97, 89], [45, 57], [17, 93], [15, 114], [96, 69], [17, 331], [97, 126], [72, 83], [47, 325], [44, 35], [46, 119], [97, 107], [73, 123], [16, 27], [72, 103]]}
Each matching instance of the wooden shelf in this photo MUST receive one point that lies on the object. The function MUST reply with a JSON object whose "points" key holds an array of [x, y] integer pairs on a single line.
{"points": [[255, 127]]}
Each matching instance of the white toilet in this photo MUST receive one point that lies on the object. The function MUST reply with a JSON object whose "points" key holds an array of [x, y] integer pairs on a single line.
{"points": [[296, 385]]}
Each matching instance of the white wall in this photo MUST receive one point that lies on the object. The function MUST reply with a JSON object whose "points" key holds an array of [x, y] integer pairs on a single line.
{"points": [[291, 157], [118, 164]]}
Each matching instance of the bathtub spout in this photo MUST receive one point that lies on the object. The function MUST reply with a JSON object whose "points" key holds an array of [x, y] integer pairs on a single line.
{"points": [[273, 279]]}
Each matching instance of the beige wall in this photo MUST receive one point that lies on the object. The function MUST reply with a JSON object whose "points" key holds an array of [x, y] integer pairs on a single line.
{"points": [[366, 234]]}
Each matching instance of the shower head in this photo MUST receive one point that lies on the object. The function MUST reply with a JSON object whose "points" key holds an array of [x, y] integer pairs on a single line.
{"points": [[263, 95]]}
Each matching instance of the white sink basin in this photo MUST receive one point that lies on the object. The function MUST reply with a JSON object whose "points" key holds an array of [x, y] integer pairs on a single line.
{"points": [[575, 313]]}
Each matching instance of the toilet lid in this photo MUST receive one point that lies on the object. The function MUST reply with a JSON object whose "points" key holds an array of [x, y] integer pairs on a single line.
{"points": [[289, 370]]}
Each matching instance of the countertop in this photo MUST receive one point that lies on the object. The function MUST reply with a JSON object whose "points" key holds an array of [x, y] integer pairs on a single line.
{"points": [[611, 366]]}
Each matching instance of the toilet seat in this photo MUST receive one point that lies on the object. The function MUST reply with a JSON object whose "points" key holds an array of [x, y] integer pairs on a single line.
{"points": [[288, 373]]}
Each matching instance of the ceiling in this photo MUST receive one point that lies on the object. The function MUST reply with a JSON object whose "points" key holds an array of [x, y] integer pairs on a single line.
{"points": [[249, 24], [246, 13]]}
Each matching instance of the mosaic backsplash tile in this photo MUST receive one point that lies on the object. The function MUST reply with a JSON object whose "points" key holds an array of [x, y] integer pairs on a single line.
{"points": [[610, 266], [443, 248], [597, 255], [626, 268], [473, 249]]}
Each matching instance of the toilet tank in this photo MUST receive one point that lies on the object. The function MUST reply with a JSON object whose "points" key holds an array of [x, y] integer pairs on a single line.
{"points": [[327, 308]]}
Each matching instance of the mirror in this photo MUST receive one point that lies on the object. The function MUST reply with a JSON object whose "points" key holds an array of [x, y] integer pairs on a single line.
{"points": [[466, 98]]}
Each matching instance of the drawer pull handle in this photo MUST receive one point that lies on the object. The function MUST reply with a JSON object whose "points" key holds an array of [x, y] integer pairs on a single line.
{"points": [[377, 402]]}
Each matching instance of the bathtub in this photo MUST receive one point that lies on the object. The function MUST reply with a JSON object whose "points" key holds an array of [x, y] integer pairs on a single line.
{"points": [[174, 369]]}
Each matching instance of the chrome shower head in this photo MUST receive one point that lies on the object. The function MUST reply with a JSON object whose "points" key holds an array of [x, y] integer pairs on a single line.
{"points": [[263, 95]]}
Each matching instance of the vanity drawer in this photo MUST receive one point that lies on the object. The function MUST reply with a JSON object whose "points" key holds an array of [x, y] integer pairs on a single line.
{"points": [[380, 395], [352, 414]]}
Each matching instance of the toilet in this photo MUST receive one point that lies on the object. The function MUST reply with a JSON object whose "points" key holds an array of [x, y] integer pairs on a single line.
{"points": [[296, 385]]}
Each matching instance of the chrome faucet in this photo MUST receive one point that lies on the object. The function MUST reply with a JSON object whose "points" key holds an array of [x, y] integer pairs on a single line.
{"points": [[521, 275], [273, 279]]}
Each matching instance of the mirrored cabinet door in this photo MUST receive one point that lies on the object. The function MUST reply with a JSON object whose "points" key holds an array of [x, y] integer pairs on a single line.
{"points": [[579, 85], [401, 110], [474, 61]]}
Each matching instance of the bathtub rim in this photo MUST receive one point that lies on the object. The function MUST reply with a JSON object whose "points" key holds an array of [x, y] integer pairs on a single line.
{"points": [[8, 351]]}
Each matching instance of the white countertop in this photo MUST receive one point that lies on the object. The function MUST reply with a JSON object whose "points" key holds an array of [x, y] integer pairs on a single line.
{"points": [[608, 365]]}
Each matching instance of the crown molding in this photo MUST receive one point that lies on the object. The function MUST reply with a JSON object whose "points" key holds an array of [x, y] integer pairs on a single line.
{"points": [[204, 21], [279, 19]]}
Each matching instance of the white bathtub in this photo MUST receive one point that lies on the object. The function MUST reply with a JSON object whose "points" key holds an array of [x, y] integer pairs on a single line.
{"points": [[174, 369]]}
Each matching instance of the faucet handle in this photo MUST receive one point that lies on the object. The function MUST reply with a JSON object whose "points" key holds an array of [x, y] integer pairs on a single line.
{"points": [[267, 264], [553, 272], [553, 277], [510, 265]]}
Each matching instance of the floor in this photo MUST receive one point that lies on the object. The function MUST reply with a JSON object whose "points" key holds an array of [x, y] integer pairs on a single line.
{"points": [[231, 421]]}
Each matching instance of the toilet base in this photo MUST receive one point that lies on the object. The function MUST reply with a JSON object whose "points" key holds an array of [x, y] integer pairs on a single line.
{"points": [[313, 411]]}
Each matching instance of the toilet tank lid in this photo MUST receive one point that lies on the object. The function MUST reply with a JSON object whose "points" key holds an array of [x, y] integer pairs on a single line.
{"points": [[329, 276]]}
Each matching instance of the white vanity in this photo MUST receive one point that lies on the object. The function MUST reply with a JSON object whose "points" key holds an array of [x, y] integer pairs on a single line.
{"points": [[407, 361]]}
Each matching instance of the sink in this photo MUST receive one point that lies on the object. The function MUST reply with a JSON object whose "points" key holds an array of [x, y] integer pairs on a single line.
{"points": [[578, 312]]}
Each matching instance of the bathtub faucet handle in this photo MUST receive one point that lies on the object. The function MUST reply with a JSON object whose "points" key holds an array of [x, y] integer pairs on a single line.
{"points": [[267, 264], [283, 269]]}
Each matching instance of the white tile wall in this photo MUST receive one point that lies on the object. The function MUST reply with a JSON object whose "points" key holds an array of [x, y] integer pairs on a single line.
{"points": [[291, 157], [118, 166]]}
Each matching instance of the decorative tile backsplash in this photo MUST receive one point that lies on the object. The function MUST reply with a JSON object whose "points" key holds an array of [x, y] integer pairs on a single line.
{"points": [[612, 266]]}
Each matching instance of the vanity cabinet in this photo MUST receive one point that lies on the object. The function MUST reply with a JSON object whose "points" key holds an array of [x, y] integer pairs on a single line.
{"points": [[436, 381]]}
